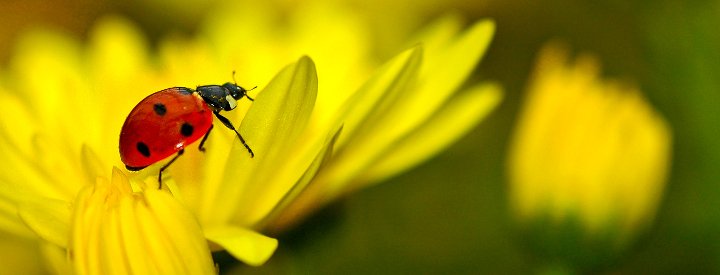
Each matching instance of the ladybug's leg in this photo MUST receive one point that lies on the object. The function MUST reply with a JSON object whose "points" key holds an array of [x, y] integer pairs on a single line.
{"points": [[167, 165], [202, 142], [227, 123]]}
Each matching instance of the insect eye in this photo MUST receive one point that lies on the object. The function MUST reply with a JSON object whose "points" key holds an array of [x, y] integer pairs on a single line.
{"points": [[236, 95], [237, 92]]}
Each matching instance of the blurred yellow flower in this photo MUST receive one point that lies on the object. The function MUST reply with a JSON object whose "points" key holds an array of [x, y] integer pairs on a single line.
{"points": [[586, 150], [66, 103]]}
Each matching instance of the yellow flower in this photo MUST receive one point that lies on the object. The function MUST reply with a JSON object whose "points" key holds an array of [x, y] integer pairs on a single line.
{"points": [[587, 153], [69, 100], [65, 137], [111, 224]]}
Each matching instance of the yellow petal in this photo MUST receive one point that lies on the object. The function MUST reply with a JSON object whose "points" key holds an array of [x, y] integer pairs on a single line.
{"points": [[43, 60], [117, 52], [251, 187], [48, 218], [119, 76], [49, 73], [379, 93], [17, 125], [442, 73], [460, 115], [391, 105], [92, 165], [246, 245], [363, 108], [438, 34], [56, 259], [362, 112], [275, 219], [116, 231], [183, 236], [392, 119], [10, 222]]}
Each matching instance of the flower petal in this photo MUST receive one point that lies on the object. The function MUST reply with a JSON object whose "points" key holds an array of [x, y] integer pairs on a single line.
{"points": [[271, 128], [117, 52], [56, 259], [437, 35], [116, 231], [391, 105], [48, 218], [244, 244], [451, 122], [442, 73], [10, 222], [119, 77], [362, 112], [43, 61], [379, 92], [446, 68], [92, 165], [275, 218], [181, 231], [362, 108]]}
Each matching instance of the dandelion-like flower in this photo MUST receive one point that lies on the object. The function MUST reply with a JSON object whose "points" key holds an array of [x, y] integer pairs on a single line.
{"points": [[588, 160], [69, 100]]}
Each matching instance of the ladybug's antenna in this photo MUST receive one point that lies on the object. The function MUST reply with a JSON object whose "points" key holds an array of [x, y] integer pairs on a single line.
{"points": [[246, 95]]}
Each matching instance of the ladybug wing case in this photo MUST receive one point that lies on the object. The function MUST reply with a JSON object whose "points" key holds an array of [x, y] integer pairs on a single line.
{"points": [[161, 125]]}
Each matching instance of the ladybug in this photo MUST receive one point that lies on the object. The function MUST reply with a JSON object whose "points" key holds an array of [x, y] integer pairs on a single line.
{"points": [[165, 122]]}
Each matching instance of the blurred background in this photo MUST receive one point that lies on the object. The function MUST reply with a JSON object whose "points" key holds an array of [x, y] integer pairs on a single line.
{"points": [[451, 214]]}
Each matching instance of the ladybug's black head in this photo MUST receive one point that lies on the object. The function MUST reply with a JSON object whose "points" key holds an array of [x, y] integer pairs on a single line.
{"points": [[236, 91]]}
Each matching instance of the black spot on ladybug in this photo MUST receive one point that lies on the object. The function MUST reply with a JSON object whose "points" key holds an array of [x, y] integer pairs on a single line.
{"points": [[143, 149], [160, 109], [186, 129]]}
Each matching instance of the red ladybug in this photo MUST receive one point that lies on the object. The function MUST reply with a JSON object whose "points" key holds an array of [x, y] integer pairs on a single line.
{"points": [[165, 122]]}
